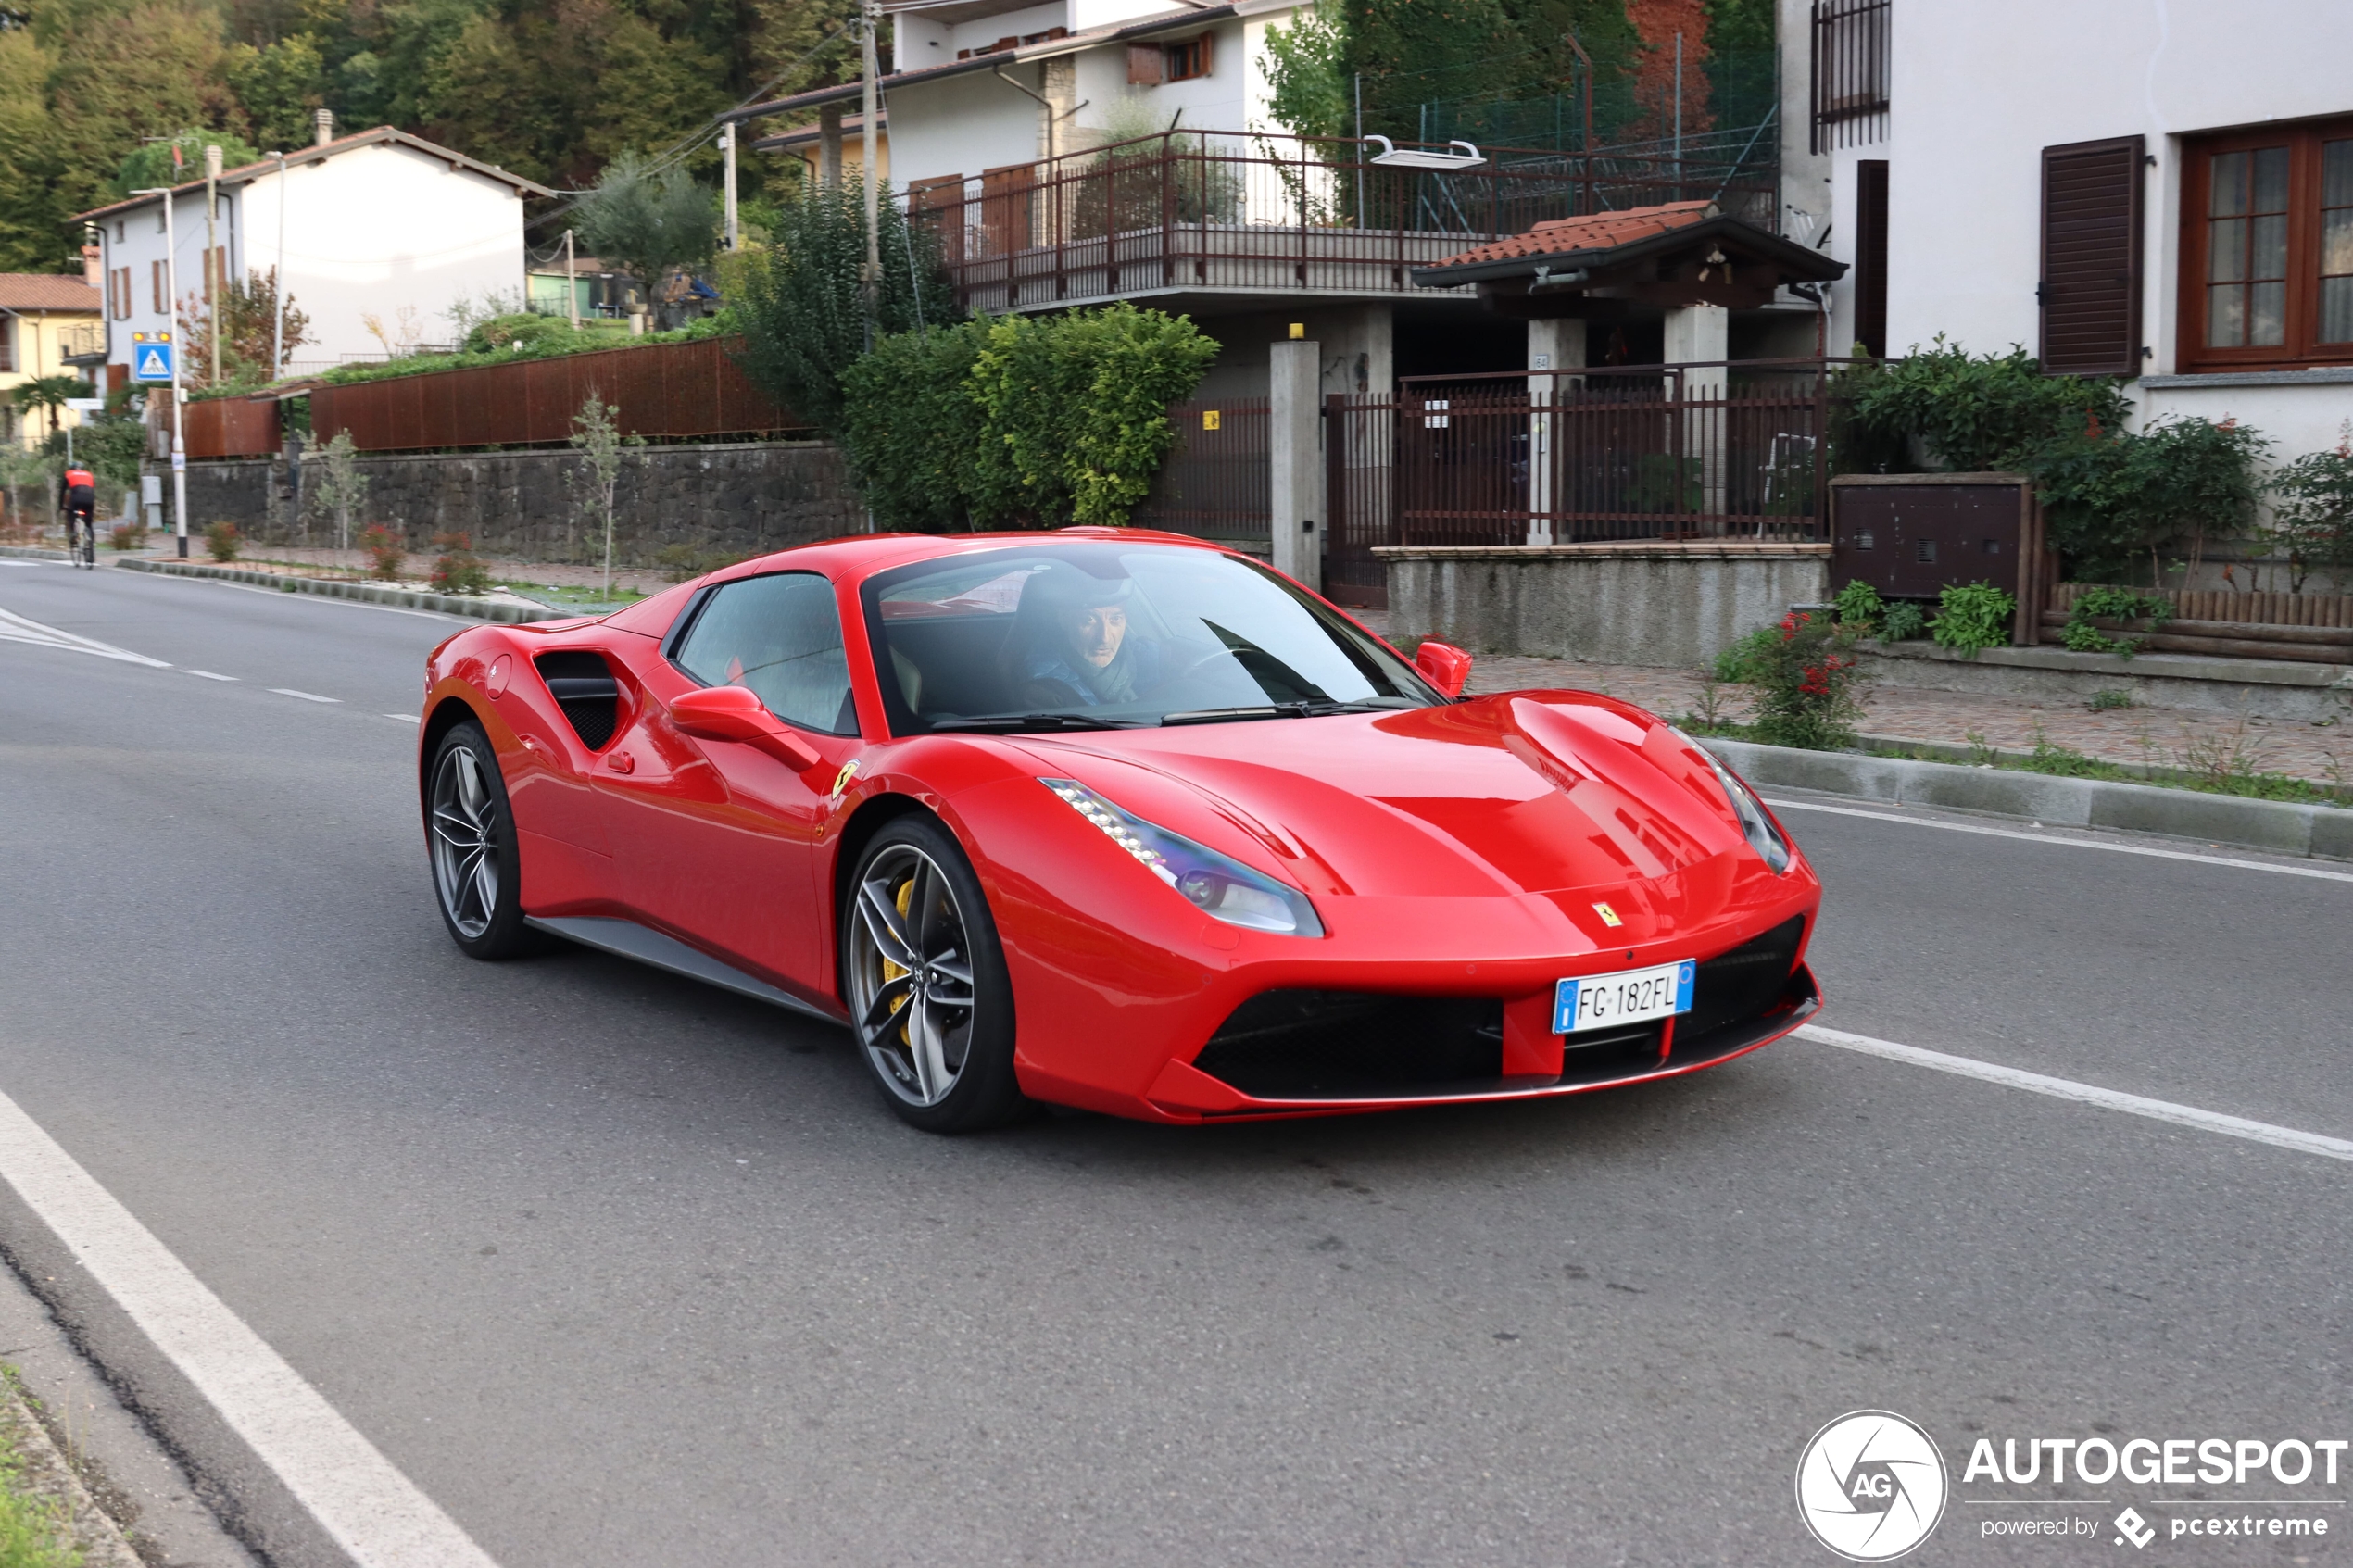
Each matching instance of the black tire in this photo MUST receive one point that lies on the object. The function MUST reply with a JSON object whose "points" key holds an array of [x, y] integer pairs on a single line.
{"points": [[470, 839], [915, 893]]}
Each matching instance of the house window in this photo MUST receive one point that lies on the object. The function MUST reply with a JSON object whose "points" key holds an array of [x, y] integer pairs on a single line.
{"points": [[1849, 73], [8, 343], [155, 285], [119, 283], [1189, 61], [2266, 249]]}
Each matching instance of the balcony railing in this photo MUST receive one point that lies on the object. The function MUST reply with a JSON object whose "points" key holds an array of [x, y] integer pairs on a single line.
{"points": [[84, 340], [1197, 209]]}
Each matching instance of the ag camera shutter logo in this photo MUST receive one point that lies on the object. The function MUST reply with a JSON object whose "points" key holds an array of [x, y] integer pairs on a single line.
{"points": [[1871, 1486]]}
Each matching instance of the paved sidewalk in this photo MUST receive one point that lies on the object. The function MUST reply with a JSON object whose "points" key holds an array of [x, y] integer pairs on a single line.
{"points": [[2162, 738]]}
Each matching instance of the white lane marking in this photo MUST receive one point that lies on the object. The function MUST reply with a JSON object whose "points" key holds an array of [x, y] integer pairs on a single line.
{"points": [[307, 697], [15, 628], [209, 675], [406, 717], [2086, 1094], [373, 1511], [2056, 838]]}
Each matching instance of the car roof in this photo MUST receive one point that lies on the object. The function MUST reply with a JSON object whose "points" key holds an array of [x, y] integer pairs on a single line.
{"points": [[857, 556]]}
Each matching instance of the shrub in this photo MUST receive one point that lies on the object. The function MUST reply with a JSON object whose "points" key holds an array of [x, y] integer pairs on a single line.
{"points": [[526, 333], [2113, 497], [128, 536], [1860, 607], [1972, 616], [385, 551], [803, 311], [2117, 604], [1905, 621], [2313, 518], [1971, 413], [456, 571], [1038, 420], [223, 541], [1804, 672]]}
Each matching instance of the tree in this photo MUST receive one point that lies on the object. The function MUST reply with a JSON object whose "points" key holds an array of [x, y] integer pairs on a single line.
{"points": [[804, 314], [595, 431], [248, 314], [342, 488], [150, 167], [49, 393], [646, 222], [1306, 64], [281, 86]]}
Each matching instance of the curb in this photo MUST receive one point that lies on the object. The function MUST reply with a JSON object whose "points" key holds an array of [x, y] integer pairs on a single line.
{"points": [[46, 1475], [32, 552], [2321, 832], [370, 592]]}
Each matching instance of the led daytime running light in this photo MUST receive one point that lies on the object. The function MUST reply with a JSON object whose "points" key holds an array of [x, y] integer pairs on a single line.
{"points": [[1220, 885]]}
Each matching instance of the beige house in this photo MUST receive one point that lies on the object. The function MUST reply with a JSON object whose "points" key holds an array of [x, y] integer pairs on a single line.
{"points": [[49, 325]]}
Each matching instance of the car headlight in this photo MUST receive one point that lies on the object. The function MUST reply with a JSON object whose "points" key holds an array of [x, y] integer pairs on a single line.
{"points": [[1756, 826], [1220, 885]]}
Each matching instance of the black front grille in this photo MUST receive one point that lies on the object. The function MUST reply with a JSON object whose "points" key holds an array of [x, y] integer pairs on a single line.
{"points": [[1348, 1045], [583, 687], [1736, 986]]}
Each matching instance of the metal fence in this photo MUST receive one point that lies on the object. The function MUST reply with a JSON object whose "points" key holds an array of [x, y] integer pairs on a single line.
{"points": [[230, 427], [1216, 482], [662, 391], [1687, 451], [1213, 209]]}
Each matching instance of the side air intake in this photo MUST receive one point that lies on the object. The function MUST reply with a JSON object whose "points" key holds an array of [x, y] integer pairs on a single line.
{"points": [[584, 687]]}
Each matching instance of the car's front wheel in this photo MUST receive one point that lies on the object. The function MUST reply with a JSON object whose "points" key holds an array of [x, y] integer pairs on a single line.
{"points": [[477, 869], [926, 981]]}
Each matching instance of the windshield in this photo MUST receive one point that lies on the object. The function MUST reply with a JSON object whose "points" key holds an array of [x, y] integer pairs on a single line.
{"points": [[1087, 635]]}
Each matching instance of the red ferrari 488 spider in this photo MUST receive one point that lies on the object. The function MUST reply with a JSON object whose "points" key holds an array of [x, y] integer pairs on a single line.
{"points": [[1112, 819]]}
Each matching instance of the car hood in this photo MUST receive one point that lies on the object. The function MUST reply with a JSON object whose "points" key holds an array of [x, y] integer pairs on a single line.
{"points": [[1552, 793]]}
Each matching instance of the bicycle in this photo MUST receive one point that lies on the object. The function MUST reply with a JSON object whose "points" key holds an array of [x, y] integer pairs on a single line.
{"points": [[81, 543]]}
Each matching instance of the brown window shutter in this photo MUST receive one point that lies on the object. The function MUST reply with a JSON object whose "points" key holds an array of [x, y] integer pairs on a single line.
{"points": [[1144, 63], [2091, 284], [1208, 44], [154, 283], [1870, 256], [7, 345]]}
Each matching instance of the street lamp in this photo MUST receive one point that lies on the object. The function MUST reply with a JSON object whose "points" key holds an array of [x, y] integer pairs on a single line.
{"points": [[179, 426]]}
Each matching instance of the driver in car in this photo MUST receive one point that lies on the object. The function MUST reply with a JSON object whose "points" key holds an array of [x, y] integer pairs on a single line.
{"points": [[1082, 654]]}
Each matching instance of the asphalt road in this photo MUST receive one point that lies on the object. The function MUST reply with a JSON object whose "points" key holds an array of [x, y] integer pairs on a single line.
{"points": [[624, 1270]]}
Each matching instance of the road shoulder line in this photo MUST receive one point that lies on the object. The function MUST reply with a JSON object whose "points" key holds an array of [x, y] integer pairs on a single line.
{"points": [[2085, 1094], [356, 1495]]}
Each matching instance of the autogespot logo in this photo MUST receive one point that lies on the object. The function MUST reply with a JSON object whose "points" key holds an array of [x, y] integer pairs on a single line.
{"points": [[1871, 1486]]}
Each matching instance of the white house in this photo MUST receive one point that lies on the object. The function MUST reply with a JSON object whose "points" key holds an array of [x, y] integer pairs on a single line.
{"points": [[380, 226], [996, 112], [2159, 188]]}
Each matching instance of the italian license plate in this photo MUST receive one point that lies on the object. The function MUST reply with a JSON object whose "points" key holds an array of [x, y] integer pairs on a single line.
{"points": [[1632, 995]]}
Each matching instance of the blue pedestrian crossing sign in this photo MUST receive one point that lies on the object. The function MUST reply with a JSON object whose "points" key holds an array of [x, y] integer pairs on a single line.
{"points": [[151, 356]]}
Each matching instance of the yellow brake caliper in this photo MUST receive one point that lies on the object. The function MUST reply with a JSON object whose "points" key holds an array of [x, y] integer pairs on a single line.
{"points": [[892, 971]]}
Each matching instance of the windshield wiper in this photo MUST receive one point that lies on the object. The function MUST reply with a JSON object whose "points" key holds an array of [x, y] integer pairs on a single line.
{"points": [[1004, 722], [1314, 709]]}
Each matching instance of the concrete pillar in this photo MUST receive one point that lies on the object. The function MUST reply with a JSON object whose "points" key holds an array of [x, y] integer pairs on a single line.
{"points": [[1555, 344], [1059, 80], [1699, 332], [1294, 453]]}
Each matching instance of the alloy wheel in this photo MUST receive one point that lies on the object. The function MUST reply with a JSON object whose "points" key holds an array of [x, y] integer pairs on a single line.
{"points": [[911, 975], [465, 842]]}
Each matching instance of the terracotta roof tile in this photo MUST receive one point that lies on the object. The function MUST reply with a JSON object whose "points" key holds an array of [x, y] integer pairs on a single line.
{"points": [[47, 291], [1599, 230]]}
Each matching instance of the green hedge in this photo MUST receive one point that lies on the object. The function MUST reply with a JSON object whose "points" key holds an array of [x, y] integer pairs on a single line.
{"points": [[1032, 420]]}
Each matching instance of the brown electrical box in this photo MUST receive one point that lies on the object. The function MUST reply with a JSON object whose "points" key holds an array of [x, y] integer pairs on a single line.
{"points": [[1911, 536]]}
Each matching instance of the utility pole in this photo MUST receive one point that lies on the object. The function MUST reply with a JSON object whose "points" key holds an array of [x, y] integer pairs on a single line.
{"points": [[277, 280], [214, 285], [727, 146], [179, 426], [571, 281], [872, 274]]}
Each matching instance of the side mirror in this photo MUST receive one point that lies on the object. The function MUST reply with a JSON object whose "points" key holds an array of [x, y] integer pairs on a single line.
{"points": [[737, 713], [1443, 666]]}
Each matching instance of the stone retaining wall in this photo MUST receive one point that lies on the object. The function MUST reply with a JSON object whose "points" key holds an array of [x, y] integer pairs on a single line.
{"points": [[737, 499], [1644, 602]]}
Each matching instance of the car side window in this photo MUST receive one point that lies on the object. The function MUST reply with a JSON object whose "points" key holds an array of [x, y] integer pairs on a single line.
{"points": [[779, 636]]}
